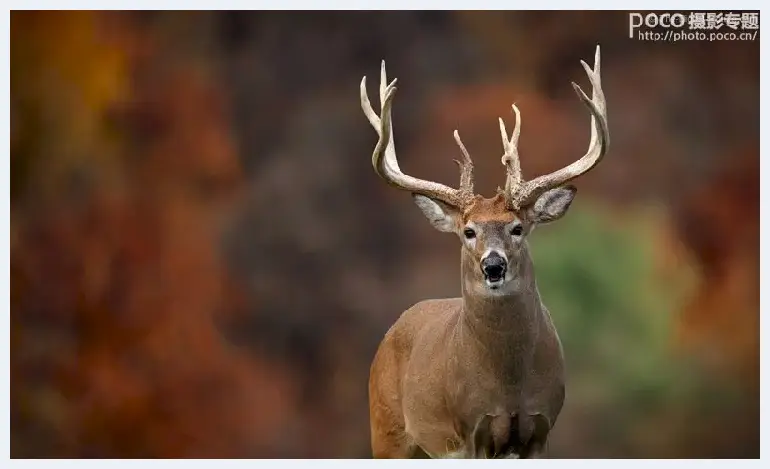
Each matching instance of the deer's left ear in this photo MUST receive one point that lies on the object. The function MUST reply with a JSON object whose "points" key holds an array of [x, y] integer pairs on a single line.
{"points": [[551, 205]]}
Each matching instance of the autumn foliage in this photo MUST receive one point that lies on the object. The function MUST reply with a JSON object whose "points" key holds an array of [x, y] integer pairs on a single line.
{"points": [[203, 261]]}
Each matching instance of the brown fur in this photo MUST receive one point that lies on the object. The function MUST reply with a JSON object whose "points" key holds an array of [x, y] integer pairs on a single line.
{"points": [[491, 360], [447, 364], [483, 210]]}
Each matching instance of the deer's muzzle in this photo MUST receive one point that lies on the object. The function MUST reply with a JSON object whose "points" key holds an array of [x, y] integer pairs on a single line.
{"points": [[494, 267]]}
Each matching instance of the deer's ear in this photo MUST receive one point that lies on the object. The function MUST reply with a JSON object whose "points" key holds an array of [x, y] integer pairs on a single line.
{"points": [[551, 205], [440, 215]]}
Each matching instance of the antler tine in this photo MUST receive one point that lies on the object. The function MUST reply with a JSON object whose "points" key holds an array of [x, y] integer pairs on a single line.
{"points": [[366, 105], [597, 147], [372, 116], [510, 157], [383, 82], [384, 157], [466, 167]]}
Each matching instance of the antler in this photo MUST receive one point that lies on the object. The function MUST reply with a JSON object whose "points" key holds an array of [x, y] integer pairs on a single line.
{"points": [[521, 192], [511, 152], [466, 169], [384, 157]]}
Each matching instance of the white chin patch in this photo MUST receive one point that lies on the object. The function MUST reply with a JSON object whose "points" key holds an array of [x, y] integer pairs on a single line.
{"points": [[494, 285]]}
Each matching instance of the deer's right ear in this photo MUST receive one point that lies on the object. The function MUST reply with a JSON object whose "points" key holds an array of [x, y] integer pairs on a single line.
{"points": [[552, 204], [440, 215]]}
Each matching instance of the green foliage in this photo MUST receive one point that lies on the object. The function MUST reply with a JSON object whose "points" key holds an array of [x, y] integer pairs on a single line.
{"points": [[614, 314], [598, 279]]}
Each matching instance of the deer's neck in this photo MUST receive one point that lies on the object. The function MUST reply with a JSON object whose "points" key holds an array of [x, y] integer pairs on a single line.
{"points": [[501, 329]]}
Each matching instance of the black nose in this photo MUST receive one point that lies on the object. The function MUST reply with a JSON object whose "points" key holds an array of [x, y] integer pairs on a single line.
{"points": [[494, 266]]}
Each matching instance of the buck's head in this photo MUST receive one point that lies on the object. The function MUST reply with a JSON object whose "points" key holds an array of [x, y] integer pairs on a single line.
{"points": [[493, 231], [493, 234]]}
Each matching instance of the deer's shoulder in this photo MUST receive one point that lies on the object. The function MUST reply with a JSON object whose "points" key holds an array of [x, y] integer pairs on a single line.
{"points": [[424, 315], [426, 312]]}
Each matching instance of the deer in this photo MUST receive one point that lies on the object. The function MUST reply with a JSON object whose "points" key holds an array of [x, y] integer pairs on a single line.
{"points": [[481, 375]]}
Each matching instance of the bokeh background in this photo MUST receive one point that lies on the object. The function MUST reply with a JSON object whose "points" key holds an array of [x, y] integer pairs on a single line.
{"points": [[203, 261]]}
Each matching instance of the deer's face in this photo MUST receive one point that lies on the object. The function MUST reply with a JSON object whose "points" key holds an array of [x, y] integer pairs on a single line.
{"points": [[492, 235], [492, 231]]}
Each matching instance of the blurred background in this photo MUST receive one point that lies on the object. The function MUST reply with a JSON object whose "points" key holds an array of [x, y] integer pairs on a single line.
{"points": [[203, 261]]}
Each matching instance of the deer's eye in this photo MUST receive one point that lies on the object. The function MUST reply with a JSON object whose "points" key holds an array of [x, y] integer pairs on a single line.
{"points": [[469, 233], [517, 230]]}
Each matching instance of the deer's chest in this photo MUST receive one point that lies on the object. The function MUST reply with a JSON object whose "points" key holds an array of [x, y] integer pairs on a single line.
{"points": [[503, 407]]}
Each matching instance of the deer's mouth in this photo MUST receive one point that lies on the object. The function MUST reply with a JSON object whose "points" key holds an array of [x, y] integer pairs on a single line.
{"points": [[494, 271], [495, 284], [494, 280], [494, 266]]}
